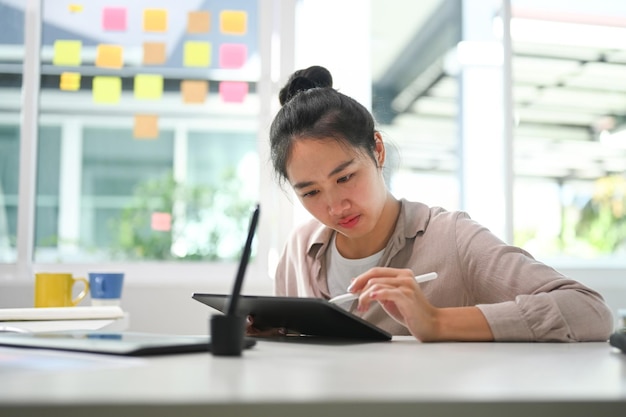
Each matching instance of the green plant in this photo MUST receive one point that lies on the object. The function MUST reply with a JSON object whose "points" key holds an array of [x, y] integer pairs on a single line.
{"points": [[602, 221], [201, 218]]}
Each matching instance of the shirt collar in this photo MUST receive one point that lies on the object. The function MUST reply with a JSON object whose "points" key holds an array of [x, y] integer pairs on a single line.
{"points": [[413, 219]]}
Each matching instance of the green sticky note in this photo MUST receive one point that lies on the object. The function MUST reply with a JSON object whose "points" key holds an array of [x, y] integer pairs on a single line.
{"points": [[67, 53], [148, 86], [197, 54], [107, 90]]}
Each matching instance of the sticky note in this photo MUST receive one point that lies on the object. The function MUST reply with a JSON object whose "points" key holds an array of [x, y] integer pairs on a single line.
{"points": [[194, 91], [197, 54], [106, 89], [198, 22], [75, 8], [153, 53], [155, 20], [146, 126], [233, 55], [114, 19], [148, 86], [233, 22], [161, 222], [70, 81], [233, 91], [67, 53], [109, 56]]}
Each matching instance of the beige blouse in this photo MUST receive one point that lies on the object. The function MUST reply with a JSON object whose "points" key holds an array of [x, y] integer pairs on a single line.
{"points": [[521, 298]]}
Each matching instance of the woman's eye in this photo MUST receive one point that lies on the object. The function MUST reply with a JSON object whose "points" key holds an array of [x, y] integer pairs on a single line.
{"points": [[345, 178], [310, 194]]}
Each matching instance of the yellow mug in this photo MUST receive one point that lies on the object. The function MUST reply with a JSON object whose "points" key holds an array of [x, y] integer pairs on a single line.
{"points": [[55, 290]]}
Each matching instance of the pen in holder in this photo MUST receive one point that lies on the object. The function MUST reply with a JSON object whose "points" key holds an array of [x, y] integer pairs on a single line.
{"points": [[228, 330]]}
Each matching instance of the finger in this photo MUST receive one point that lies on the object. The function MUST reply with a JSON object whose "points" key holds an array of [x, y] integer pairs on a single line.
{"points": [[360, 282]]}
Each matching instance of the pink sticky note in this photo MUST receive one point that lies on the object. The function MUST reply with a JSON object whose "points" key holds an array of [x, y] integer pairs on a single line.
{"points": [[161, 222], [114, 18], [233, 91], [233, 55]]}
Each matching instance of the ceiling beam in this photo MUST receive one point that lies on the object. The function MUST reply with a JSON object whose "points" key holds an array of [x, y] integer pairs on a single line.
{"points": [[441, 32]]}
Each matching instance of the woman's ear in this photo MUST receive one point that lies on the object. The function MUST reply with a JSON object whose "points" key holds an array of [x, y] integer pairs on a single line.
{"points": [[379, 149]]}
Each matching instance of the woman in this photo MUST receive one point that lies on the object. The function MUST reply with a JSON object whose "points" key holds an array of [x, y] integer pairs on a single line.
{"points": [[326, 146]]}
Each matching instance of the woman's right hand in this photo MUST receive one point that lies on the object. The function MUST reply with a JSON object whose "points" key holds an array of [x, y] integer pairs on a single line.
{"points": [[255, 332]]}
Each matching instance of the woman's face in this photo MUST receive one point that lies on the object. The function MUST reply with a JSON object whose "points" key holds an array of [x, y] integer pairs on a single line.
{"points": [[340, 186]]}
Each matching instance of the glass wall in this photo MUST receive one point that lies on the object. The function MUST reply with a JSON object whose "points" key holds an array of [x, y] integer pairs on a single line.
{"points": [[148, 122], [569, 89], [11, 58], [569, 109]]}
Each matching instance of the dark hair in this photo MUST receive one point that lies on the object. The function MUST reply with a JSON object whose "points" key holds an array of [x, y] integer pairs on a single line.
{"points": [[313, 109]]}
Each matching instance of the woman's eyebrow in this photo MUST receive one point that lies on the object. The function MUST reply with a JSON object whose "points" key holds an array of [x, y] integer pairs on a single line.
{"points": [[337, 169]]}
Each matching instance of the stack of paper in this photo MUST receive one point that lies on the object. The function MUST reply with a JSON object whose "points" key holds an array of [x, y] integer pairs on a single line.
{"points": [[61, 313]]}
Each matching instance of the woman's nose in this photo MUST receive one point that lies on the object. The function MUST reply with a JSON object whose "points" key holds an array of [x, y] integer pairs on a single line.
{"points": [[337, 204]]}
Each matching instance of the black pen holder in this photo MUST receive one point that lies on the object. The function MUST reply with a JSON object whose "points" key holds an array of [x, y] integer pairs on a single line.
{"points": [[227, 335]]}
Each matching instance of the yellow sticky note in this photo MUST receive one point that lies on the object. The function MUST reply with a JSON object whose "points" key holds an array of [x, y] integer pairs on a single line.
{"points": [[161, 222], [194, 91], [148, 86], [75, 8], [109, 56], [67, 53], [155, 20], [233, 22], [153, 53], [107, 90], [198, 22], [146, 126], [197, 54], [70, 81]]}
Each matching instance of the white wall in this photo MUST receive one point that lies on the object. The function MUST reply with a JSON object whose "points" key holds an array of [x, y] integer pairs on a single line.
{"points": [[167, 307]]}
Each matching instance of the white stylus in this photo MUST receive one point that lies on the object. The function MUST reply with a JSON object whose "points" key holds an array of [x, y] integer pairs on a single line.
{"points": [[351, 296]]}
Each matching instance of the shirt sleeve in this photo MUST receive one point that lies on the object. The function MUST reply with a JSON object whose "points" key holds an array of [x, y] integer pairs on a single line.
{"points": [[524, 299]]}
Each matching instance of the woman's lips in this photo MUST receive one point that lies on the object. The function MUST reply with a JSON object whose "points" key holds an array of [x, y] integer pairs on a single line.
{"points": [[350, 222]]}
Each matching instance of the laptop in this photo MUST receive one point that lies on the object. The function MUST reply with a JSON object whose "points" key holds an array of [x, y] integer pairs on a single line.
{"points": [[618, 339], [309, 317]]}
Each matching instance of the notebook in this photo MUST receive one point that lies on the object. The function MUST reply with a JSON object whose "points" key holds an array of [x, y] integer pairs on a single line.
{"points": [[113, 343]]}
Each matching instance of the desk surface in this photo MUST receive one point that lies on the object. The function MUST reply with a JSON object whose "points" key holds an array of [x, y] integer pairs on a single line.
{"points": [[289, 378]]}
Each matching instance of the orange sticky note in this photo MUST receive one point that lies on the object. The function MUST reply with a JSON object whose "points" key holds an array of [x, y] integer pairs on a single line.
{"points": [[70, 81], [194, 91], [155, 20], [106, 90], [233, 91], [197, 54], [233, 22], [233, 55], [148, 86], [198, 22], [161, 222], [67, 53], [146, 126], [109, 56], [153, 53]]}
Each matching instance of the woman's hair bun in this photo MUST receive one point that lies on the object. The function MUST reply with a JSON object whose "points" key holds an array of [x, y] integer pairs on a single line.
{"points": [[305, 79]]}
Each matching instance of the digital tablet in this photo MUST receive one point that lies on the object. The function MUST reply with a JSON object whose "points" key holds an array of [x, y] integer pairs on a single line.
{"points": [[305, 316], [114, 343]]}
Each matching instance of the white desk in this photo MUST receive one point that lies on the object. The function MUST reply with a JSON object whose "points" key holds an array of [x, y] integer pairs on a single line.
{"points": [[402, 377]]}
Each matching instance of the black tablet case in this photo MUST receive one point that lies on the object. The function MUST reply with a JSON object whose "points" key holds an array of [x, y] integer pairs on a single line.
{"points": [[307, 316]]}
